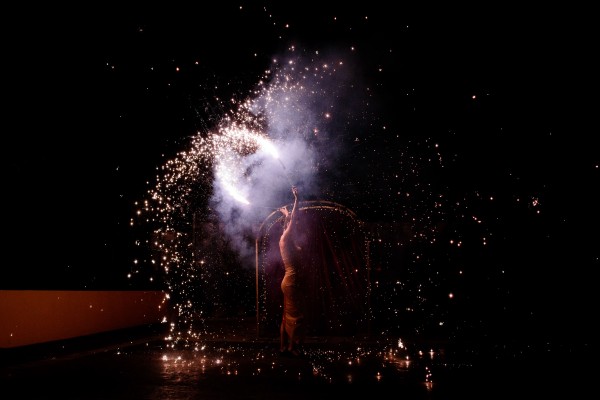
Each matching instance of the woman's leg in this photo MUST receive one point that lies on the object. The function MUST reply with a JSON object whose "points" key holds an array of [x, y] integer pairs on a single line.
{"points": [[283, 337]]}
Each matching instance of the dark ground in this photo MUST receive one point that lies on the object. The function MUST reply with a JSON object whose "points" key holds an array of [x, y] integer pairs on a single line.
{"points": [[231, 362]]}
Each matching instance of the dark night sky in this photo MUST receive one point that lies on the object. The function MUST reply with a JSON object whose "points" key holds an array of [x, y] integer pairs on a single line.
{"points": [[95, 100]]}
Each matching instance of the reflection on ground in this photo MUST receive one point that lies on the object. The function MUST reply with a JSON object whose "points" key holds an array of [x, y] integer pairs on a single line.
{"points": [[229, 364]]}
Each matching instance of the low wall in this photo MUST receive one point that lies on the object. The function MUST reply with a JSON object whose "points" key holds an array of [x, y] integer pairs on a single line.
{"points": [[38, 316]]}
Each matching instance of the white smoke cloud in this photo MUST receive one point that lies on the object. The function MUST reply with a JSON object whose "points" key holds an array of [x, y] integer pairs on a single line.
{"points": [[298, 104]]}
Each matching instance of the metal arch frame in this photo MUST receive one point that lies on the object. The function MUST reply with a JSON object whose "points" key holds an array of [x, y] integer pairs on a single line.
{"points": [[270, 220]]}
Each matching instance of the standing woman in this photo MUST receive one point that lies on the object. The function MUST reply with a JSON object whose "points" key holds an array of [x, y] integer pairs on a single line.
{"points": [[292, 328]]}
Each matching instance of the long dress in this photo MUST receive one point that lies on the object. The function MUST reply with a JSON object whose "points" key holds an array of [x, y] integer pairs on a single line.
{"points": [[292, 325]]}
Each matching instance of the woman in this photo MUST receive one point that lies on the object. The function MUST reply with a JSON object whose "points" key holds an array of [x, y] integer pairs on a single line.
{"points": [[292, 324]]}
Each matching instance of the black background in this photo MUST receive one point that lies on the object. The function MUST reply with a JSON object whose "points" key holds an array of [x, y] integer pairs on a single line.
{"points": [[93, 104]]}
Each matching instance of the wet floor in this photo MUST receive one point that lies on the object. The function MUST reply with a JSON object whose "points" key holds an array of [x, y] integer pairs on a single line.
{"points": [[239, 365]]}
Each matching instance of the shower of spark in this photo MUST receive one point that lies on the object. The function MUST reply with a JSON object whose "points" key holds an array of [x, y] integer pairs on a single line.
{"points": [[222, 185], [311, 123]]}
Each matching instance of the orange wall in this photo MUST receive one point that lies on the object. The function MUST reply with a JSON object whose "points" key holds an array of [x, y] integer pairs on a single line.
{"points": [[37, 316]]}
